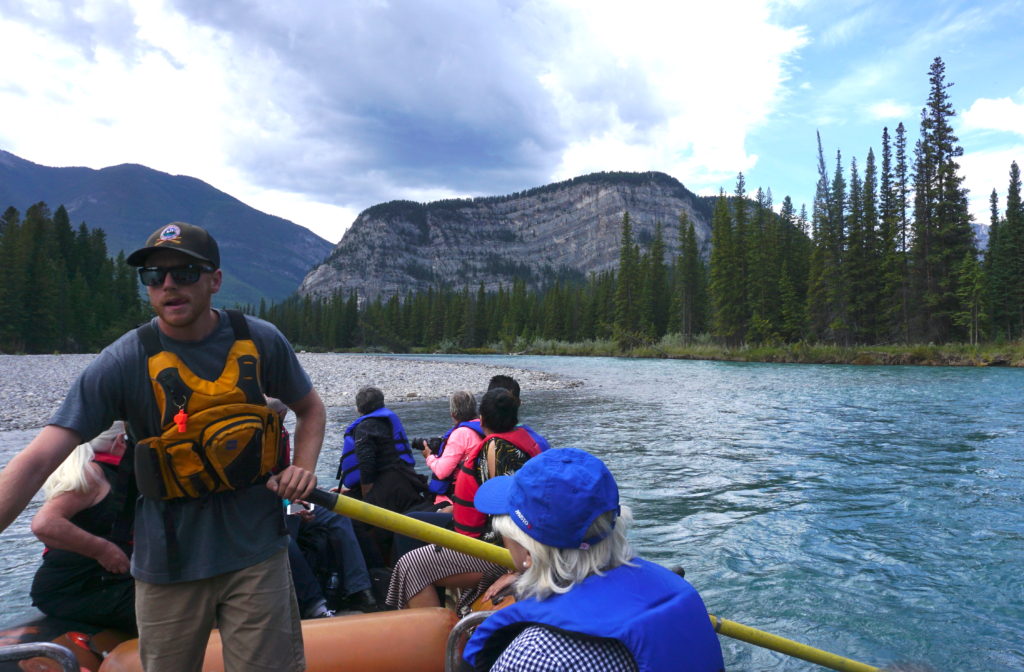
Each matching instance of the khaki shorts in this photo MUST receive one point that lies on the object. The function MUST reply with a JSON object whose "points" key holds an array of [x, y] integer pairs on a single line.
{"points": [[254, 608]]}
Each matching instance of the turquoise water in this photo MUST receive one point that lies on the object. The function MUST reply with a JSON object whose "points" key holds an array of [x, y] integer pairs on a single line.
{"points": [[874, 512]]}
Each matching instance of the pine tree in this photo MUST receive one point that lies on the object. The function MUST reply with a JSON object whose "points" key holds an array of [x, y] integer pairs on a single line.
{"points": [[761, 283], [827, 291], [689, 296], [997, 289], [942, 221], [793, 261], [44, 273], [1013, 235], [863, 261], [13, 282], [793, 307], [891, 273], [741, 258], [656, 286], [726, 283], [819, 271], [971, 294], [627, 293]]}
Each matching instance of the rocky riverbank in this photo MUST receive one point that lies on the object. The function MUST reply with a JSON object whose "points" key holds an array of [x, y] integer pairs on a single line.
{"points": [[33, 386]]}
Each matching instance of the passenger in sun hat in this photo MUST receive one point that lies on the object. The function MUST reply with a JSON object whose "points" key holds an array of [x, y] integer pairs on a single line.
{"points": [[584, 600]]}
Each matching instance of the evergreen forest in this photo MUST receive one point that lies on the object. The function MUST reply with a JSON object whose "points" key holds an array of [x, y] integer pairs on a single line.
{"points": [[59, 289], [887, 255]]}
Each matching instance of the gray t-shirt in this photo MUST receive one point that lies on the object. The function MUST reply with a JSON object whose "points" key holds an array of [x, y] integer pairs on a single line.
{"points": [[223, 532]]}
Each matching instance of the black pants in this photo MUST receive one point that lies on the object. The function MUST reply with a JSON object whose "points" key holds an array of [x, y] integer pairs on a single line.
{"points": [[106, 600]]}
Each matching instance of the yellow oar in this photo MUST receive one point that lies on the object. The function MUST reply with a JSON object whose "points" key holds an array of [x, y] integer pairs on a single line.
{"points": [[417, 529]]}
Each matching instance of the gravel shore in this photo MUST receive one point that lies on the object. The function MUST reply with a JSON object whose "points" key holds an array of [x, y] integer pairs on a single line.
{"points": [[33, 386]]}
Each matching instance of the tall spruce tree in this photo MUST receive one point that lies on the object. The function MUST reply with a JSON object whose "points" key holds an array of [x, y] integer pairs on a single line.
{"points": [[820, 271], [656, 286], [863, 262], [970, 290], [689, 295], [628, 290], [726, 287], [942, 220], [997, 293], [891, 273], [1004, 262], [1013, 232]]}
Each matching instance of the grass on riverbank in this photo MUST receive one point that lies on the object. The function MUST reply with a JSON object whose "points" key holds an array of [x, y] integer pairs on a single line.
{"points": [[673, 347]]}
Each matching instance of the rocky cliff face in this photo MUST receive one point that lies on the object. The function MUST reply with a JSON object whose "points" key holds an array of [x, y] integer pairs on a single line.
{"points": [[568, 229]]}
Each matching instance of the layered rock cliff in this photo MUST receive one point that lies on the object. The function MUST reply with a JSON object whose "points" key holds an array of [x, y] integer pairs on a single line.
{"points": [[567, 229]]}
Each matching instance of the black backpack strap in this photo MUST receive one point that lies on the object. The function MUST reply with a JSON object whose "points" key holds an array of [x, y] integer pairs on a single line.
{"points": [[249, 374], [239, 325], [150, 339], [125, 493]]}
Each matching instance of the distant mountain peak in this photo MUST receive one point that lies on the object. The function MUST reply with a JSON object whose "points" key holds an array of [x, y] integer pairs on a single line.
{"points": [[264, 257], [567, 229]]}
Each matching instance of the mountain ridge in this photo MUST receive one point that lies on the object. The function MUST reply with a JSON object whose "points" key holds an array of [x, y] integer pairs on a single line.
{"points": [[128, 201], [566, 229]]}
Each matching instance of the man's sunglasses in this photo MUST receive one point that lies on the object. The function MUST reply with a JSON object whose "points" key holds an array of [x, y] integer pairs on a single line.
{"points": [[153, 276]]}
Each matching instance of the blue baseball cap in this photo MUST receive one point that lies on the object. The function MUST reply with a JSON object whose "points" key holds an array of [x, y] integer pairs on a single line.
{"points": [[555, 497]]}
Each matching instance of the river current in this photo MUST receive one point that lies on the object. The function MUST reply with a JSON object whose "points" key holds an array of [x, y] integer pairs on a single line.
{"points": [[874, 512]]}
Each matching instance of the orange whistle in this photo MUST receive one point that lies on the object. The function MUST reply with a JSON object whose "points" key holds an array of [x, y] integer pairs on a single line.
{"points": [[180, 418]]}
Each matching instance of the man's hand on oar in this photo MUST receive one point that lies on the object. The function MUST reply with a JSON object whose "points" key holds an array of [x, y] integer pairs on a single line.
{"points": [[293, 483]]}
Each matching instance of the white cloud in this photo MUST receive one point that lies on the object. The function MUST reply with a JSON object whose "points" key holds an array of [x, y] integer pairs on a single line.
{"points": [[705, 88], [999, 114], [987, 170], [845, 30], [888, 109]]}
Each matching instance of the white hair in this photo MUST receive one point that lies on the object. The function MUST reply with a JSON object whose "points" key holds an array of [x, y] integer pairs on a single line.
{"points": [[71, 475], [557, 570]]}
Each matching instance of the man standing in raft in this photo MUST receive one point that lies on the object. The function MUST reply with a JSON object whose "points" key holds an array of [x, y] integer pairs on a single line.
{"points": [[210, 538]]}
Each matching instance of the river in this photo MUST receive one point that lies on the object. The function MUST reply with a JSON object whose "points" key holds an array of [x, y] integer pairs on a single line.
{"points": [[874, 512]]}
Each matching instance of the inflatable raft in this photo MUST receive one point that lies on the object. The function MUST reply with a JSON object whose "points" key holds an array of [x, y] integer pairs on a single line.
{"points": [[411, 640], [88, 644]]}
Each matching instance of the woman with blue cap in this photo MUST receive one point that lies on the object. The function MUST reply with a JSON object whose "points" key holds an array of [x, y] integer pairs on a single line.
{"points": [[584, 600]]}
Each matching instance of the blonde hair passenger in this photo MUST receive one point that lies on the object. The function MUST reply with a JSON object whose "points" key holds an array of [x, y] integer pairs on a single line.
{"points": [[72, 475], [556, 570]]}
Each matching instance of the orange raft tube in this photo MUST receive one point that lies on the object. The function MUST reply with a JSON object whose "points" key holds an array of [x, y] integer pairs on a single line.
{"points": [[411, 640]]}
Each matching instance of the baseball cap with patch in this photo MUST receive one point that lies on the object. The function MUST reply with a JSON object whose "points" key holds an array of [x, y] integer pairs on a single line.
{"points": [[182, 237]]}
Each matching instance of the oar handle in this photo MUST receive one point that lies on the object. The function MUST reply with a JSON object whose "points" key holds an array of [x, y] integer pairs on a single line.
{"points": [[789, 647], [417, 529]]}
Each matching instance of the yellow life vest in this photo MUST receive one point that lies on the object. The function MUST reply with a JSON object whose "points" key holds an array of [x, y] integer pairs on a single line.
{"points": [[217, 435]]}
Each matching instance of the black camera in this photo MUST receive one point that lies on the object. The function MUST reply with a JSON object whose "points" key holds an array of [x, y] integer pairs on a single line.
{"points": [[434, 443]]}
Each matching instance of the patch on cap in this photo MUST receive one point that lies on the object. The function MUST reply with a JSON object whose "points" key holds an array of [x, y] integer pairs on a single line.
{"points": [[170, 233], [521, 517]]}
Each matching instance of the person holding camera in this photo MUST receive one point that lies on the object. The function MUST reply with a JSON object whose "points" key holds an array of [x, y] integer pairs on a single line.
{"points": [[451, 448], [505, 449]]}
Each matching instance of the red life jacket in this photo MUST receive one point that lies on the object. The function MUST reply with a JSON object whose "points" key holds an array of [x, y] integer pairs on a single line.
{"points": [[468, 520]]}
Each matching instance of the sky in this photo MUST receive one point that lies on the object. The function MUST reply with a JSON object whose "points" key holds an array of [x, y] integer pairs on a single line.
{"points": [[316, 110]]}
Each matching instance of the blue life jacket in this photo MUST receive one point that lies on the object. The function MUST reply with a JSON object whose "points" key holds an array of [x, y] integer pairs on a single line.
{"points": [[655, 613], [541, 441], [348, 468], [442, 486]]}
